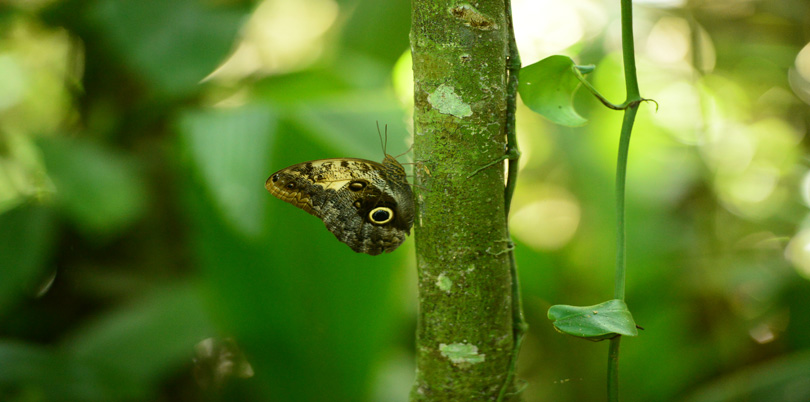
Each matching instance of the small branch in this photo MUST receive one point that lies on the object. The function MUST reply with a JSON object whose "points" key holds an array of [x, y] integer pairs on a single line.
{"points": [[622, 106], [598, 95], [519, 325], [512, 151]]}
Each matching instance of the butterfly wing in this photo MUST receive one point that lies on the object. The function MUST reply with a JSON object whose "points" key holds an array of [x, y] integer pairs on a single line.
{"points": [[359, 201]]}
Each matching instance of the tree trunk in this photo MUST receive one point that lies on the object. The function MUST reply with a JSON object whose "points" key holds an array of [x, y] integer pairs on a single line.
{"points": [[465, 335]]}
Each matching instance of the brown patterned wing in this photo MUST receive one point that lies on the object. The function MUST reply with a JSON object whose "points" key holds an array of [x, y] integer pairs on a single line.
{"points": [[365, 204]]}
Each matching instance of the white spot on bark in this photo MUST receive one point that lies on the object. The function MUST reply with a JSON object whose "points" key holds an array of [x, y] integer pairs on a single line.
{"points": [[446, 101], [444, 283], [463, 355]]}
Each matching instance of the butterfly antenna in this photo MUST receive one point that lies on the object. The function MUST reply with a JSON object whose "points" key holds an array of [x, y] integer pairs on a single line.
{"points": [[385, 147], [409, 150], [382, 144]]}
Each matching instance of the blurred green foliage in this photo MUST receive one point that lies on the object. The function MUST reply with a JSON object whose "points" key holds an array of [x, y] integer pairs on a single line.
{"points": [[135, 137]]}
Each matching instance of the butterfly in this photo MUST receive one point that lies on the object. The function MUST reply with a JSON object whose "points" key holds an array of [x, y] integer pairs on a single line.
{"points": [[365, 204]]}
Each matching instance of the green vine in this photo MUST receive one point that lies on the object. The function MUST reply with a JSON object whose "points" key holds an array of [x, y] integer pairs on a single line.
{"points": [[633, 99], [547, 88], [519, 325]]}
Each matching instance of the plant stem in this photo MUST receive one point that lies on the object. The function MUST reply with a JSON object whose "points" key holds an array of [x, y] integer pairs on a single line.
{"points": [[621, 179], [628, 53], [613, 370], [632, 102], [512, 150]]}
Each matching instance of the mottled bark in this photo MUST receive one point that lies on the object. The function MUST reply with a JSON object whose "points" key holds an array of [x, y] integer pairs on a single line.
{"points": [[465, 335]]}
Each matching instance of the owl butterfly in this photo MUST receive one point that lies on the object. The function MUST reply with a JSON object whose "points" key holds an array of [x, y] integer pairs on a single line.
{"points": [[365, 204]]}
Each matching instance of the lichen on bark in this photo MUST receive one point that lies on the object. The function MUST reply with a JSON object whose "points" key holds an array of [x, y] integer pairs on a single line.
{"points": [[465, 335]]}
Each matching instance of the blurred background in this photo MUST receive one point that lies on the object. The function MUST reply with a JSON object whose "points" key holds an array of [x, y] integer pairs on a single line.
{"points": [[142, 259]]}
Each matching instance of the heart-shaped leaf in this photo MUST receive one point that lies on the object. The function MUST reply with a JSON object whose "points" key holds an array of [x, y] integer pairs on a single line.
{"points": [[547, 87], [594, 323]]}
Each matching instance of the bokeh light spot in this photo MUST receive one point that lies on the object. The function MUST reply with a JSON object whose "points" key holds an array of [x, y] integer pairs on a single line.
{"points": [[545, 27], [281, 36], [668, 41], [548, 223], [798, 253]]}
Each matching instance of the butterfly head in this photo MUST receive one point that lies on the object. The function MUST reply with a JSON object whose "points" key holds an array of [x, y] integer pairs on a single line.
{"points": [[394, 170]]}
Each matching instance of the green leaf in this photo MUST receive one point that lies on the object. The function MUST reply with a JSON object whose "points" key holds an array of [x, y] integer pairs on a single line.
{"points": [[594, 323], [547, 87], [376, 29], [347, 123], [122, 356], [172, 44], [42, 373], [230, 152], [26, 242], [138, 344], [337, 109], [101, 190]]}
